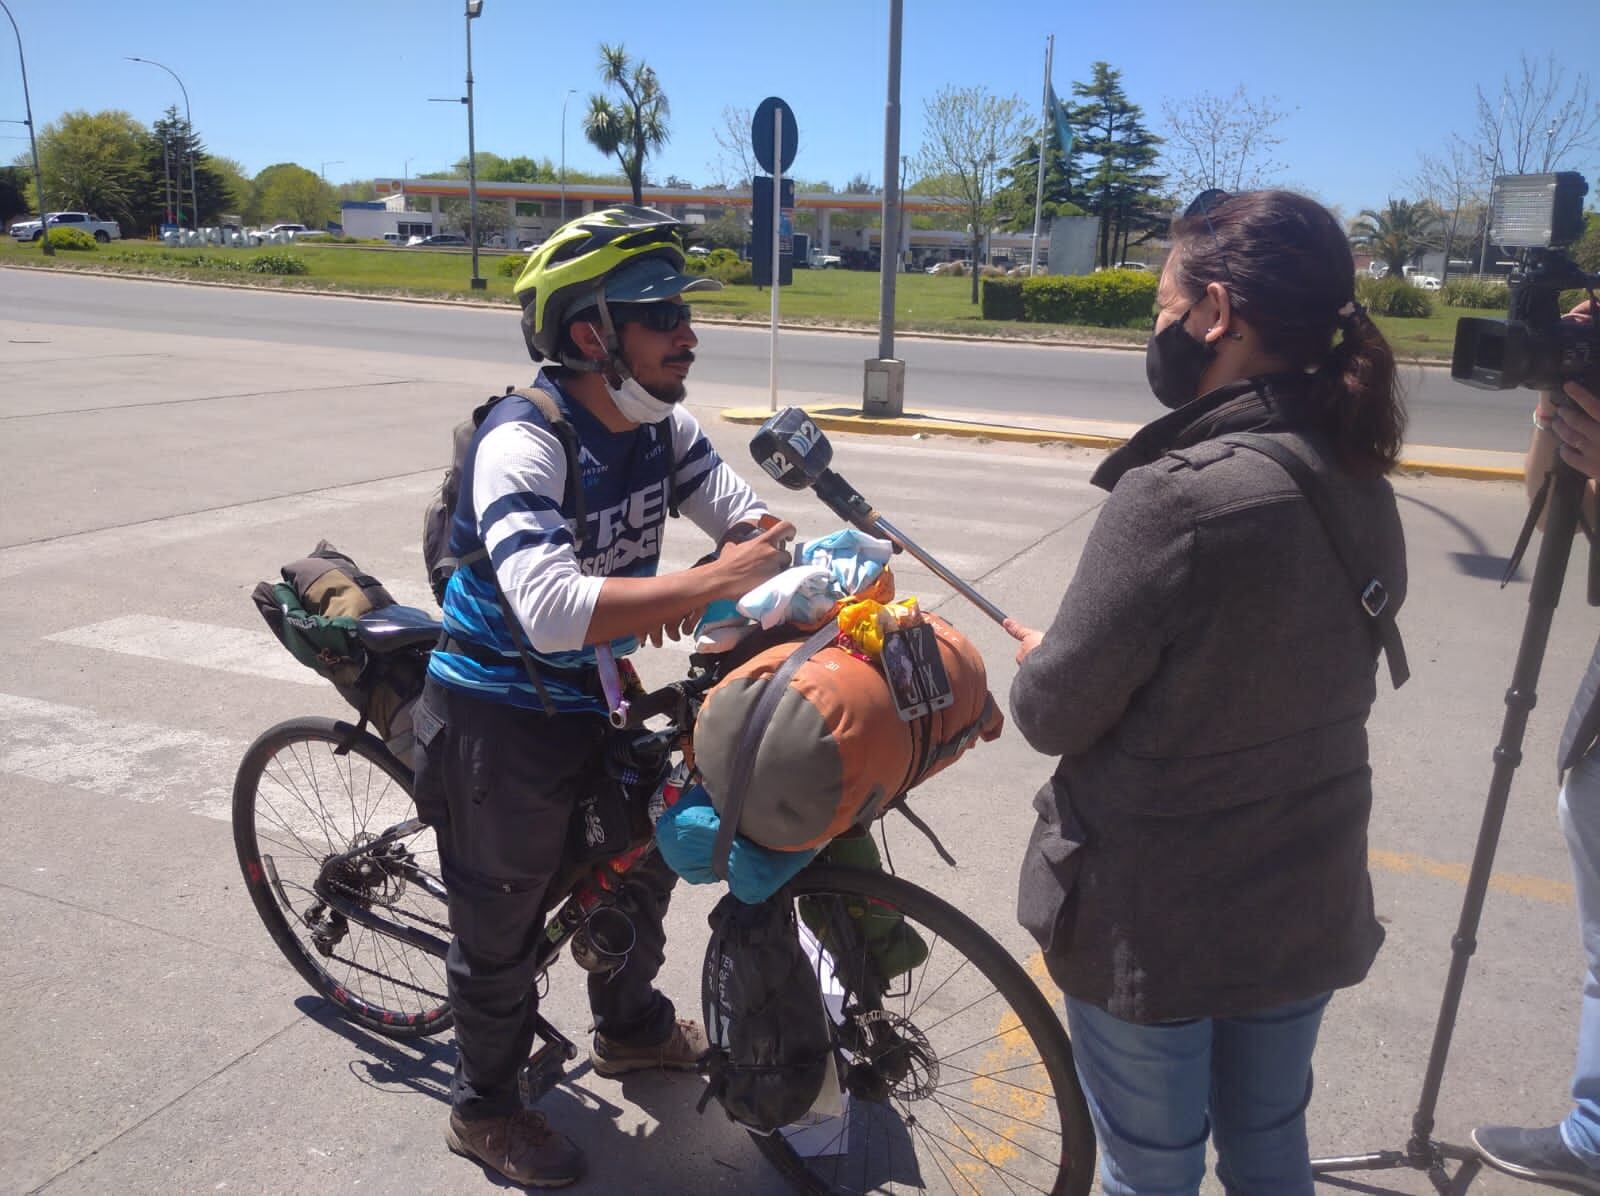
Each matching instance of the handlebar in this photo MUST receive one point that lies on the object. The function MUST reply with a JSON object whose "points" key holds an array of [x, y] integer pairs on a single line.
{"points": [[671, 700]]}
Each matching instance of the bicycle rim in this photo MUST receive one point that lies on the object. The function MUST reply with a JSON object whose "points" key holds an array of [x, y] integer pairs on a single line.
{"points": [[297, 802], [959, 1079]]}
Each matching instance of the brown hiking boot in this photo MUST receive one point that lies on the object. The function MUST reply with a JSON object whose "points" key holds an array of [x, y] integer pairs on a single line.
{"points": [[521, 1146], [680, 1052]]}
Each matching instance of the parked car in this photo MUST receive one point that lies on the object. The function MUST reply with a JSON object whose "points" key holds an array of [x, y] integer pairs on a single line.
{"points": [[100, 230], [393, 239], [437, 240]]}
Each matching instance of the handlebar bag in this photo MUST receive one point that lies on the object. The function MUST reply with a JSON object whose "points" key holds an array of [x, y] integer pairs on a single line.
{"points": [[835, 752]]}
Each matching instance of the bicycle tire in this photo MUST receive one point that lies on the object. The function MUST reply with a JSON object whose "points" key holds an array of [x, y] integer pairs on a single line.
{"points": [[1042, 1052], [284, 829]]}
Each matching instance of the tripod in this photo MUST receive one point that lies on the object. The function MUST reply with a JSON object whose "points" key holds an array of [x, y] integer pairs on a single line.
{"points": [[1422, 1152]]}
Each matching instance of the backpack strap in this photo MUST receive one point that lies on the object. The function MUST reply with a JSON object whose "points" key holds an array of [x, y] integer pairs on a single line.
{"points": [[573, 498], [744, 756], [1370, 591]]}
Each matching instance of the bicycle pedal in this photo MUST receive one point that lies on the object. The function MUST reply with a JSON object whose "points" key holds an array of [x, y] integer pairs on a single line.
{"points": [[544, 1069]]}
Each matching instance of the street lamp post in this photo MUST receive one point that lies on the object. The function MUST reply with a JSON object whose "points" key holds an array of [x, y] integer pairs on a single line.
{"points": [[27, 106], [194, 191], [564, 99], [322, 167], [474, 10]]}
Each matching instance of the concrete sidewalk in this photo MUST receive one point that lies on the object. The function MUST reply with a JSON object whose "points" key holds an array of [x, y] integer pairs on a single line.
{"points": [[1417, 459]]}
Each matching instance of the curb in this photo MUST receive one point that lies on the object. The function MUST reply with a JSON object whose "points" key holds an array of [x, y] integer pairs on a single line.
{"points": [[839, 419], [1043, 342]]}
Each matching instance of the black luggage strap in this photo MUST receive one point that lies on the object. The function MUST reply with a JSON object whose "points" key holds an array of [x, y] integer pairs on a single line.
{"points": [[744, 756], [1370, 591]]}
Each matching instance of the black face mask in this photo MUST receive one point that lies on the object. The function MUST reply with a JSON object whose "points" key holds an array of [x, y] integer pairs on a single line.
{"points": [[1174, 361]]}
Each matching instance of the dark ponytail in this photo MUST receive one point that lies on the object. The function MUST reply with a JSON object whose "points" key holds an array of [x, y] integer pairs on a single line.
{"points": [[1290, 275], [1359, 395]]}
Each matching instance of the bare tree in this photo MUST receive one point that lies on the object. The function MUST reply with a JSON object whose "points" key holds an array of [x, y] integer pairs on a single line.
{"points": [[1452, 182], [1221, 141], [1538, 121], [736, 159], [968, 133]]}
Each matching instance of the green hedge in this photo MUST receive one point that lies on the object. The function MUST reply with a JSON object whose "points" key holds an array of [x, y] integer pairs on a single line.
{"points": [[511, 267], [1108, 299], [1393, 297], [1473, 292], [1002, 298], [69, 238]]}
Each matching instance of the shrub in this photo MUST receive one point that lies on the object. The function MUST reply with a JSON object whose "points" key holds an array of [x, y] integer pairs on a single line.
{"points": [[1393, 297], [510, 267], [277, 263], [72, 239], [695, 263], [722, 257], [1002, 298], [1108, 299], [733, 274], [1473, 292]]}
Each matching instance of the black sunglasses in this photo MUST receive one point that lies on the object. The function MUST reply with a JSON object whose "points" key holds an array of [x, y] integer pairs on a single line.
{"points": [[658, 317]]}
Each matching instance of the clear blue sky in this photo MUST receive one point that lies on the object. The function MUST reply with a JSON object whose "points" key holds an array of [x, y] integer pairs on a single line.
{"points": [[347, 82]]}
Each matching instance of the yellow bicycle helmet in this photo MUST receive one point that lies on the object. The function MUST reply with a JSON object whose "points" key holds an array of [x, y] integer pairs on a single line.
{"points": [[623, 254]]}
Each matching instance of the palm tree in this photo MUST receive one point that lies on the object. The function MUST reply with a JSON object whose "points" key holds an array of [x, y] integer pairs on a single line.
{"points": [[1398, 233], [635, 125]]}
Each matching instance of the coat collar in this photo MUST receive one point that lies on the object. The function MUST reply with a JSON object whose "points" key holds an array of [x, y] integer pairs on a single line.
{"points": [[1267, 403]]}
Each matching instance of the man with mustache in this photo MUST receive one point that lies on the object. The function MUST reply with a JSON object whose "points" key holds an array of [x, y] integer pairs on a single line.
{"points": [[506, 748]]}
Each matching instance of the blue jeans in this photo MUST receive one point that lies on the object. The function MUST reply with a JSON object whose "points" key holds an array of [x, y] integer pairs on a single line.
{"points": [[1157, 1092], [1580, 818]]}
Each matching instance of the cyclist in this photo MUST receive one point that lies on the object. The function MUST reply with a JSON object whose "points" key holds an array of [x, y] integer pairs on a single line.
{"points": [[501, 762]]}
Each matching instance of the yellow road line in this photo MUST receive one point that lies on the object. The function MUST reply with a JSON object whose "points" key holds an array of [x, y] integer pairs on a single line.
{"points": [[1534, 888]]}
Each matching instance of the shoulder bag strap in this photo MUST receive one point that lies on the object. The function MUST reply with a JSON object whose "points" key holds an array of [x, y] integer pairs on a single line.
{"points": [[744, 756], [1370, 590]]}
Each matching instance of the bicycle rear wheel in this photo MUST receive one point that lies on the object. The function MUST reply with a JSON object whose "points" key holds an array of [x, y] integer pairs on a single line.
{"points": [[958, 1073], [298, 804]]}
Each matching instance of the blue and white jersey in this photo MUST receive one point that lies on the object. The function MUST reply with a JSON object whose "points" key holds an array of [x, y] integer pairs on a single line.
{"points": [[512, 489]]}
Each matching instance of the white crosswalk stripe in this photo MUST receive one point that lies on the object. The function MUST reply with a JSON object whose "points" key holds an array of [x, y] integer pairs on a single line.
{"points": [[204, 645], [134, 760]]}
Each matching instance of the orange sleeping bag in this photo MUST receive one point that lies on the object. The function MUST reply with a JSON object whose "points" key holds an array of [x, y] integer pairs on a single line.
{"points": [[836, 751]]}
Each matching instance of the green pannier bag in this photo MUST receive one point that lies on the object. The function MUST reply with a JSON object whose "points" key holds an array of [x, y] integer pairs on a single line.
{"points": [[313, 612]]}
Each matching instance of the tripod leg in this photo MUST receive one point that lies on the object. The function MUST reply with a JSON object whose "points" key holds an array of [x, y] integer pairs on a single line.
{"points": [[1421, 1152]]}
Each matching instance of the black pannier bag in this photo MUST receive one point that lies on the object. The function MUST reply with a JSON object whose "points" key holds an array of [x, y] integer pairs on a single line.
{"points": [[771, 1040]]}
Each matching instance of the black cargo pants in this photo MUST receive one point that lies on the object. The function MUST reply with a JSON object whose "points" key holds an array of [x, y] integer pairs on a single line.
{"points": [[499, 785]]}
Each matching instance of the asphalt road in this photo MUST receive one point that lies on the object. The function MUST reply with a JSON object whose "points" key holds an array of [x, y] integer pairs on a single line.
{"points": [[1016, 380], [148, 480]]}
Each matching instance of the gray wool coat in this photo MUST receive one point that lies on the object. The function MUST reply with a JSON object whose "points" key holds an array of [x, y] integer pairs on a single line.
{"points": [[1201, 850]]}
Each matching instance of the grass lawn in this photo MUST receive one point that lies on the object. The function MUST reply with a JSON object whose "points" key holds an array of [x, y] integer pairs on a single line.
{"points": [[824, 297]]}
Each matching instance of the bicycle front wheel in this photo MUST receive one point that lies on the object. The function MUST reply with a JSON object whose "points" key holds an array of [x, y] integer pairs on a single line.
{"points": [[957, 1073], [304, 810]]}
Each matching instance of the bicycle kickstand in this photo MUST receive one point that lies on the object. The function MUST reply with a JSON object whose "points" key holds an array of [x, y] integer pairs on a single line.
{"points": [[546, 1067]]}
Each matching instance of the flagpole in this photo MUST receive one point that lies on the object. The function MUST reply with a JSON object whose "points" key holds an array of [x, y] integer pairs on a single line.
{"points": [[1044, 126]]}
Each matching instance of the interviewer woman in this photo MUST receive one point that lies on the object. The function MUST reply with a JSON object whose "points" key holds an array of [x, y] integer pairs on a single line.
{"points": [[1198, 876]]}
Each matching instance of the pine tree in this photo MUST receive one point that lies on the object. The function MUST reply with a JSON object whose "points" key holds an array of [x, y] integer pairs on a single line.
{"points": [[1014, 202], [175, 148], [1120, 185]]}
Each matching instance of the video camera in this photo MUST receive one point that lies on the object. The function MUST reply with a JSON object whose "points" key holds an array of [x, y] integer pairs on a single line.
{"points": [[1540, 214]]}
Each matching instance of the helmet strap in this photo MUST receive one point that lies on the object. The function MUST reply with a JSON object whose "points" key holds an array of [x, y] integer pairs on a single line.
{"points": [[613, 363]]}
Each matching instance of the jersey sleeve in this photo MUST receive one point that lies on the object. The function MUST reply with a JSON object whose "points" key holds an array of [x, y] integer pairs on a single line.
{"points": [[519, 476], [709, 491]]}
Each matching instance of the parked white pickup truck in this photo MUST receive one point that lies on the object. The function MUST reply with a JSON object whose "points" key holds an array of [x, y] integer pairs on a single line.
{"points": [[282, 231], [100, 230]]}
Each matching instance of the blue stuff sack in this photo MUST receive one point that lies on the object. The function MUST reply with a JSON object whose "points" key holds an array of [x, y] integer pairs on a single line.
{"points": [[686, 832]]}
